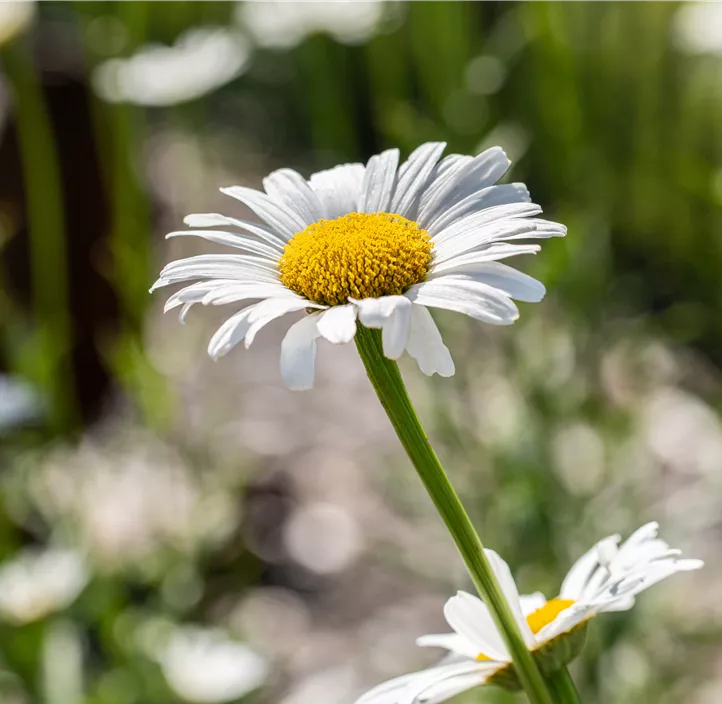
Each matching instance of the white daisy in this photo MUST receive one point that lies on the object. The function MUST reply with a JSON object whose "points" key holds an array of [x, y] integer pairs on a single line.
{"points": [[37, 582], [201, 61], [205, 666], [380, 243], [607, 578]]}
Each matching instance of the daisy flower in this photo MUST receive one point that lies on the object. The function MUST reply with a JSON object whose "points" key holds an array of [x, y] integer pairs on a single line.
{"points": [[607, 578], [379, 243]]}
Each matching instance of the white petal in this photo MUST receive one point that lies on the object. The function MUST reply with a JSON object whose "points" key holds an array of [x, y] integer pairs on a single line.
{"points": [[565, 621], [470, 618], [426, 346], [482, 199], [338, 324], [298, 354], [230, 333], [193, 293], [273, 308], [453, 252], [338, 189], [442, 172], [233, 293], [446, 681], [515, 284], [658, 571], [290, 188], [531, 602], [284, 221], [647, 532], [498, 215], [395, 332], [218, 220], [413, 177], [391, 692], [231, 239], [580, 573], [374, 312], [449, 641], [379, 181], [508, 586], [481, 172], [477, 300]]}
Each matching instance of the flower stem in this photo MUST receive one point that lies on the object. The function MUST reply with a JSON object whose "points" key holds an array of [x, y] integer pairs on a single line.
{"points": [[562, 684], [386, 380]]}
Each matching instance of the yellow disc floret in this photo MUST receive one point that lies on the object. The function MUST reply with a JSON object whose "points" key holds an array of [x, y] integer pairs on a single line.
{"points": [[359, 255], [546, 614]]}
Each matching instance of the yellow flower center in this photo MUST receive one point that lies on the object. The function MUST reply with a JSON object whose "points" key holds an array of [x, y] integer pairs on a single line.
{"points": [[359, 255], [543, 616]]}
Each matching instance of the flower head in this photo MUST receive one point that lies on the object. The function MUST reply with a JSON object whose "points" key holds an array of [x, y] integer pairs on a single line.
{"points": [[380, 244], [607, 578]]}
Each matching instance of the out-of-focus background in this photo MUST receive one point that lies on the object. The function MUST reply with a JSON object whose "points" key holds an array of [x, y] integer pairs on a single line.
{"points": [[178, 530]]}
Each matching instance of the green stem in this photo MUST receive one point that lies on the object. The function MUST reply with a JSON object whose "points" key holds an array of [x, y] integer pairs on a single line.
{"points": [[386, 379], [562, 684]]}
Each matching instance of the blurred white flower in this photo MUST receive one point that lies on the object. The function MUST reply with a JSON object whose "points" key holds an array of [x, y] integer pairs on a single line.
{"points": [[286, 24], [19, 402], [682, 431], [607, 578], [205, 666], [14, 18], [323, 538], [199, 62], [698, 27], [35, 583], [126, 502]]}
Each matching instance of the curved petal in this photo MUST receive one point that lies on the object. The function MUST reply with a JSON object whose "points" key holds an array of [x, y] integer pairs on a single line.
{"points": [[531, 602], [231, 239], [474, 222], [395, 332], [230, 333], [432, 686], [565, 621], [379, 181], [284, 221], [470, 618], [298, 354], [218, 220], [426, 346], [338, 189], [442, 172], [483, 199], [477, 300], [453, 680], [580, 573], [452, 642], [273, 308], [413, 177], [338, 324], [482, 171], [513, 283], [290, 188], [374, 312], [511, 593]]}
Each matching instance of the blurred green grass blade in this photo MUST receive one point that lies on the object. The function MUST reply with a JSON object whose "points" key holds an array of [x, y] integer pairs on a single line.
{"points": [[52, 341]]}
